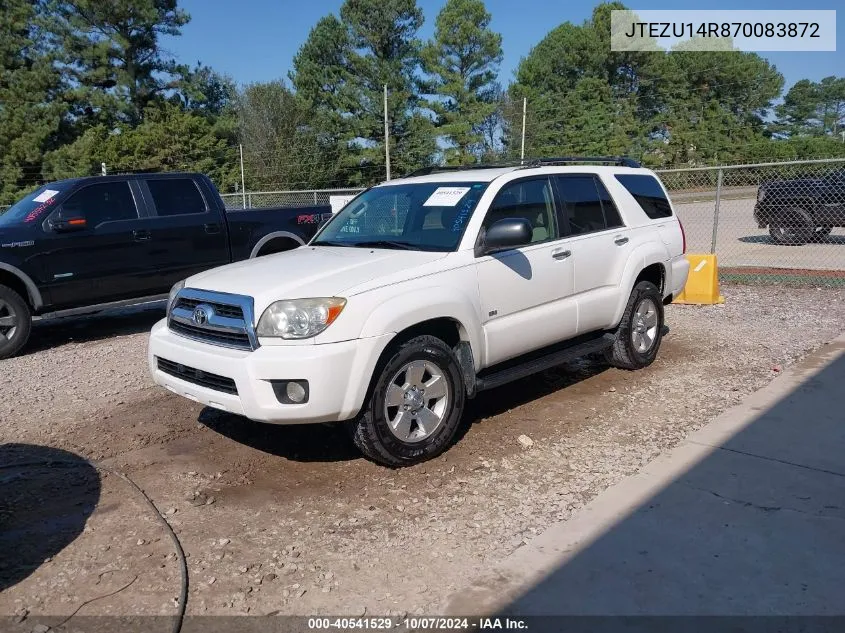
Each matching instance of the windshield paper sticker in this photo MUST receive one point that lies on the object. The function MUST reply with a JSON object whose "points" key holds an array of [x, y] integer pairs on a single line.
{"points": [[446, 197], [45, 195]]}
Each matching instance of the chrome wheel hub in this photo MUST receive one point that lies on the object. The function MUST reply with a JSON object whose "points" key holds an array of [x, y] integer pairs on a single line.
{"points": [[644, 325], [8, 321], [417, 401]]}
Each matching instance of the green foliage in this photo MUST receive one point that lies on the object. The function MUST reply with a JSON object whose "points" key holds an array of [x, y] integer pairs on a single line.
{"points": [[30, 98], [462, 62], [112, 56], [168, 139], [813, 108], [282, 147]]}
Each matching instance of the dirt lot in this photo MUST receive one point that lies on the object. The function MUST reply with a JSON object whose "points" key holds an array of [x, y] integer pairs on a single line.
{"points": [[291, 519]]}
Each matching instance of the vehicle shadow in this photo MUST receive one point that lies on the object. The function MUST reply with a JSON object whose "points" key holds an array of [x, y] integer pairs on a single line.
{"points": [[331, 442], [43, 507], [93, 327], [767, 239]]}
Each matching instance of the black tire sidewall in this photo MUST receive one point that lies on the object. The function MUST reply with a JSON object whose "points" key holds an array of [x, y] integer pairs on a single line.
{"points": [[437, 352], [643, 290], [799, 221], [13, 346]]}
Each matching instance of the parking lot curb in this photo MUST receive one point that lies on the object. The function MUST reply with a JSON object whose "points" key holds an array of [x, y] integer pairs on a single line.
{"points": [[562, 541]]}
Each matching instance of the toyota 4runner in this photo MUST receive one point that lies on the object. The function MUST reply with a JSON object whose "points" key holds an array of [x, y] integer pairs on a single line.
{"points": [[423, 292]]}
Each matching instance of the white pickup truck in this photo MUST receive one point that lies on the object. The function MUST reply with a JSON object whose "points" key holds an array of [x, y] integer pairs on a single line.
{"points": [[423, 292]]}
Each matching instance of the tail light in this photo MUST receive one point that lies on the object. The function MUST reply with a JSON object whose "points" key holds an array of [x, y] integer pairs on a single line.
{"points": [[683, 237]]}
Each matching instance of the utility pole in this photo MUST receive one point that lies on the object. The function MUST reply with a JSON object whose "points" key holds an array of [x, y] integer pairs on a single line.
{"points": [[103, 170], [842, 134], [243, 184], [524, 110], [386, 136]]}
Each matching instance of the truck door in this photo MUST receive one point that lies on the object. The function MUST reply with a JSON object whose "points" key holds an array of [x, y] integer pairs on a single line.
{"points": [[187, 232], [95, 249]]}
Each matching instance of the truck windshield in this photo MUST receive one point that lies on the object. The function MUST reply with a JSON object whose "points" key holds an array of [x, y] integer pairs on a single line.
{"points": [[428, 216], [32, 206]]}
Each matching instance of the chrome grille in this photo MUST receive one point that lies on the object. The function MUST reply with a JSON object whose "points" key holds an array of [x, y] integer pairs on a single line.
{"points": [[197, 376], [216, 318]]}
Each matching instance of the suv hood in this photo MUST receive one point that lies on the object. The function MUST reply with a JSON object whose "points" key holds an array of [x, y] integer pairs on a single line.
{"points": [[310, 271]]}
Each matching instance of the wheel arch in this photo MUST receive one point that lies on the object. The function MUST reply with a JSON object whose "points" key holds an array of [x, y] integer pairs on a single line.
{"points": [[280, 236], [645, 263], [21, 283]]}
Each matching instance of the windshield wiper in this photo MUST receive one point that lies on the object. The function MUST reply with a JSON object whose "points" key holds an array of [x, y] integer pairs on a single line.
{"points": [[330, 243], [387, 244]]}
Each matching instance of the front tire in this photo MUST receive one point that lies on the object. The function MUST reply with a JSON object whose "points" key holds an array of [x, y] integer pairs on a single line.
{"points": [[414, 407], [792, 227], [640, 332], [15, 322]]}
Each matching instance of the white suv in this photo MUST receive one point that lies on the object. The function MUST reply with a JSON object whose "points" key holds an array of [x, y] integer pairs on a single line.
{"points": [[424, 291]]}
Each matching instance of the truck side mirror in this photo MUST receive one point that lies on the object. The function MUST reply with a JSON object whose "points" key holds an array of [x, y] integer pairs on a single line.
{"points": [[77, 222], [505, 234]]}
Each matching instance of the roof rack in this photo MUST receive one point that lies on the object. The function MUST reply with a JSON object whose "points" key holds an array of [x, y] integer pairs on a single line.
{"points": [[621, 161]]}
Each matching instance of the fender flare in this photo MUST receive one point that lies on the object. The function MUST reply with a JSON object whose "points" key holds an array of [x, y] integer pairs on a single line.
{"points": [[424, 304], [31, 288], [642, 256], [275, 235]]}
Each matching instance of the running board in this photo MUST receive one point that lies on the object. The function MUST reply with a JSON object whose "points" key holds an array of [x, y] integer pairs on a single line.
{"points": [[546, 361]]}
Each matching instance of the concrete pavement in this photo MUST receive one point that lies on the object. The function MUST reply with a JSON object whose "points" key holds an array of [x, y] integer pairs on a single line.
{"points": [[745, 517]]}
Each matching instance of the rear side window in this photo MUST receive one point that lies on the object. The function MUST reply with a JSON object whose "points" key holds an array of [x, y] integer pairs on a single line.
{"points": [[648, 192], [176, 196], [589, 207]]}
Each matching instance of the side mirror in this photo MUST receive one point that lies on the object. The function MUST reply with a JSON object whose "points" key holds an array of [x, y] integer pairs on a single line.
{"points": [[504, 234], [68, 225]]}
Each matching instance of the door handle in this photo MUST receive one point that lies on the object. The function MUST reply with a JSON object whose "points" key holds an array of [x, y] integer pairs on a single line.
{"points": [[561, 254], [211, 229], [620, 241], [140, 235]]}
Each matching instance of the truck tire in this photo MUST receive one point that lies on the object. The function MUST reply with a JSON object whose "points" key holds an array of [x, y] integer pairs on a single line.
{"points": [[15, 322], [414, 406], [793, 226], [640, 332]]}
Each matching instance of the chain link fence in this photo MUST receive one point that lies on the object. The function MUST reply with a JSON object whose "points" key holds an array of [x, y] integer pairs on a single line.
{"points": [[301, 198], [767, 220]]}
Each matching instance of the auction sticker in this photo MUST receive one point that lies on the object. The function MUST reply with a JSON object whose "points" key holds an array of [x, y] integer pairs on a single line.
{"points": [[446, 197], [45, 195]]}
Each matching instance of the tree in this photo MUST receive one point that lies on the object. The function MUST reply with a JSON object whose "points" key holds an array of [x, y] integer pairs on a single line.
{"points": [[113, 56], [342, 69], [282, 148], [31, 94], [168, 139], [463, 61], [813, 108]]}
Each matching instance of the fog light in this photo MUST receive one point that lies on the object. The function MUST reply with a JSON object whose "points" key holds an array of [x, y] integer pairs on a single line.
{"points": [[291, 391], [295, 391]]}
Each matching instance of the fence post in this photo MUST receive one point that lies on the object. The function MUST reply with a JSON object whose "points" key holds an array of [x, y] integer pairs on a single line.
{"points": [[315, 198], [249, 201], [716, 212]]}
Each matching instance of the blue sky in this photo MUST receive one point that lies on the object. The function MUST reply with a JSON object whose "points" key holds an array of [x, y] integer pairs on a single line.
{"points": [[255, 40]]}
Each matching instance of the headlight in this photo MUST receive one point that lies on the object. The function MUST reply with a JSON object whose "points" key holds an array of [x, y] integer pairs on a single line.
{"points": [[299, 318], [761, 193], [173, 292]]}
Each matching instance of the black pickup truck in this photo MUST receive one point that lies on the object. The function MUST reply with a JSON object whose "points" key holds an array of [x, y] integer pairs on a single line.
{"points": [[801, 210], [82, 245]]}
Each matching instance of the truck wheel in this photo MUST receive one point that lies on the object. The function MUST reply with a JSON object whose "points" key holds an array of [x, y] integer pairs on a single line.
{"points": [[15, 322], [414, 407], [640, 332], [793, 226]]}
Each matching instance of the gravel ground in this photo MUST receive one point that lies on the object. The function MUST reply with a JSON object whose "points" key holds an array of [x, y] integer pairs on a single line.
{"points": [[291, 520]]}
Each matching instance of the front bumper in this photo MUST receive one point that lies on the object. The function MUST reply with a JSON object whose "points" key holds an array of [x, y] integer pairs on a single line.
{"points": [[338, 375]]}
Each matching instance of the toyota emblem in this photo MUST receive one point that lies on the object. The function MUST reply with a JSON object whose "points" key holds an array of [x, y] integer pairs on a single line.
{"points": [[201, 315]]}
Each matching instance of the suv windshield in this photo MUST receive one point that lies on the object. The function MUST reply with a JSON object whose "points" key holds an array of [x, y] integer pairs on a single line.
{"points": [[33, 206], [428, 216]]}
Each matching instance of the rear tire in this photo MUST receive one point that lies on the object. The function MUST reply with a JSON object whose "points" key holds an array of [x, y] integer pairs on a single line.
{"points": [[640, 332], [15, 322], [793, 227], [414, 406]]}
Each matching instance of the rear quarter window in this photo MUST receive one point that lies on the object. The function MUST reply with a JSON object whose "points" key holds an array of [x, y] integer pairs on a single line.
{"points": [[648, 193]]}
